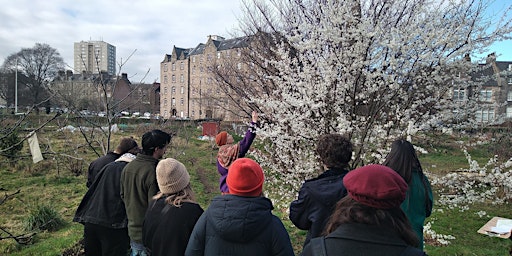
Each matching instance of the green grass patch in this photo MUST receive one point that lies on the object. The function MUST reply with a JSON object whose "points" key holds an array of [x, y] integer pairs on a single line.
{"points": [[41, 184]]}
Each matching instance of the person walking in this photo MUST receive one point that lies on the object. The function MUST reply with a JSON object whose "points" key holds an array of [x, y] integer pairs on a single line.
{"points": [[102, 211], [95, 167], [418, 201], [139, 185], [317, 197], [230, 151], [369, 221], [241, 222], [172, 215]]}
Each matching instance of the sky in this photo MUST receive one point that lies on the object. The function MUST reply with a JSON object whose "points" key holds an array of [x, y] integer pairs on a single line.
{"points": [[147, 28]]}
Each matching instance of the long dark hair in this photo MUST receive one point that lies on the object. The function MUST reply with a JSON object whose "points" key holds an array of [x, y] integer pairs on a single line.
{"points": [[349, 210], [403, 159]]}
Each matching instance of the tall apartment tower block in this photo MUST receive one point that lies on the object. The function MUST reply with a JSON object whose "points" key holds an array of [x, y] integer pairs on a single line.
{"points": [[93, 57]]}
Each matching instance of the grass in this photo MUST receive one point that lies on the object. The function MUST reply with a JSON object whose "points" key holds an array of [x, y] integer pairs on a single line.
{"points": [[42, 184]]}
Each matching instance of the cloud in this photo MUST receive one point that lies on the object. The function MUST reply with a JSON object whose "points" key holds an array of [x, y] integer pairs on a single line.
{"points": [[148, 29]]}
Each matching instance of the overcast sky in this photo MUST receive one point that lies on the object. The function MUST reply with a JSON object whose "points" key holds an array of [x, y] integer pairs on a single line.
{"points": [[148, 27]]}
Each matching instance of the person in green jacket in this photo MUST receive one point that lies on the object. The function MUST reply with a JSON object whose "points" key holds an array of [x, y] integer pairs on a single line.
{"points": [[139, 185], [419, 199]]}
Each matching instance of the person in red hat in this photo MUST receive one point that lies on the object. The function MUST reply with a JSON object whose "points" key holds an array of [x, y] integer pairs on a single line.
{"points": [[241, 222], [230, 151], [369, 221]]}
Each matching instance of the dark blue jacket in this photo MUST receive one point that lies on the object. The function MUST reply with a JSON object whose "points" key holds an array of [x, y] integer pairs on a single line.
{"points": [[316, 201], [236, 225], [102, 204]]}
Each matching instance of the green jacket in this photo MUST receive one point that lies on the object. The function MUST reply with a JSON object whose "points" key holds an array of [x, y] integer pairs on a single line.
{"points": [[138, 186], [416, 205]]}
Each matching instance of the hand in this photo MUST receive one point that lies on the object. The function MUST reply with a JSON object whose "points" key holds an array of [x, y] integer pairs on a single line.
{"points": [[254, 117]]}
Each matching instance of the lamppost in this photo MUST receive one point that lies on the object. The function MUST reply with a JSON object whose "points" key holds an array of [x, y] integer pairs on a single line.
{"points": [[16, 89]]}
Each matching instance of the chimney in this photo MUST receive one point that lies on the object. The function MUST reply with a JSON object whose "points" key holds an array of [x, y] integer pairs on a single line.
{"points": [[124, 76], [467, 57], [491, 58]]}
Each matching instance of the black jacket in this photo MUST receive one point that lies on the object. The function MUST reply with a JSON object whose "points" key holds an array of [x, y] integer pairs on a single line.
{"points": [[236, 225], [316, 201], [102, 204], [363, 239], [98, 164], [167, 228]]}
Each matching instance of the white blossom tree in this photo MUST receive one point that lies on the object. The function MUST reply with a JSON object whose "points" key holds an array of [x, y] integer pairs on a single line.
{"points": [[371, 69]]}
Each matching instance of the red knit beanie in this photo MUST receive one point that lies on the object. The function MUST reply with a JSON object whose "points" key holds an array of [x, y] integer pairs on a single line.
{"points": [[221, 138], [245, 178], [377, 186]]}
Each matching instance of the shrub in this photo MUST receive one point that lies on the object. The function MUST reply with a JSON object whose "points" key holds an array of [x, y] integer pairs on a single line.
{"points": [[44, 218], [7, 143]]}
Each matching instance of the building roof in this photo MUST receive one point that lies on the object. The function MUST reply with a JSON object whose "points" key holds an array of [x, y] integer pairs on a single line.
{"points": [[221, 45], [198, 50], [234, 43]]}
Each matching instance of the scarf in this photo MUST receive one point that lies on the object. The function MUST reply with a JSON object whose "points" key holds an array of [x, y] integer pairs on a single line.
{"points": [[227, 154]]}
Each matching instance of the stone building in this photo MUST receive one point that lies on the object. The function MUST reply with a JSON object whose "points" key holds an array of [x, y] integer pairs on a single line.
{"points": [[89, 92], [494, 102], [189, 87]]}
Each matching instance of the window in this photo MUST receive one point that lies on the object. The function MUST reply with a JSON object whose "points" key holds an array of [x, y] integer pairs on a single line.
{"points": [[486, 95], [182, 90], [173, 66], [239, 52], [182, 78], [165, 67], [173, 101], [485, 115], [509, 112], [173, 90], [165, 79], [194, 59], [165, 102], [165, 90], [239, 66], [459, 94], [208, 57], [173, 79], [182, 101], [510, 80], [509, 96], [193, 113], [218, 55], [182, 65]]}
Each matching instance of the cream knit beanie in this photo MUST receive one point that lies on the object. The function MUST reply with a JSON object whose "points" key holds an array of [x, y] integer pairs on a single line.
{"points": [[171, 176]]}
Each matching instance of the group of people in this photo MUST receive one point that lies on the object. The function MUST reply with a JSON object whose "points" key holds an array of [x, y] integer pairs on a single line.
{"points": [[140, 204]]}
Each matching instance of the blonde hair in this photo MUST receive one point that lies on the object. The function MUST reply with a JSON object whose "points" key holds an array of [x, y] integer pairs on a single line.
{"points": [[176, 199]]}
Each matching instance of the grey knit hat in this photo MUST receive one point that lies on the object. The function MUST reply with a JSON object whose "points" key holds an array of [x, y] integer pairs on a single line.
{"points": [[171, 176]]}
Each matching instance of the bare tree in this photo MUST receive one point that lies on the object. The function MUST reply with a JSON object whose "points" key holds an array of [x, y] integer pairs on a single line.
{"points": [[99, 92], [39, 65]]}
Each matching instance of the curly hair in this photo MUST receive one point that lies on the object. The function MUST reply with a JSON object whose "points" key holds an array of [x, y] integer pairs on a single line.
{"points": [[334, 150], [185, 195]]}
